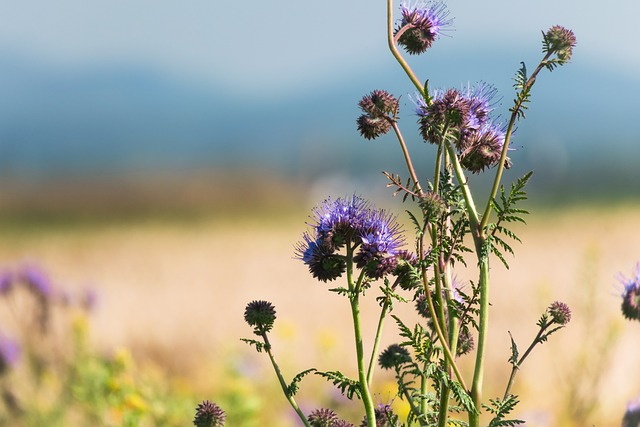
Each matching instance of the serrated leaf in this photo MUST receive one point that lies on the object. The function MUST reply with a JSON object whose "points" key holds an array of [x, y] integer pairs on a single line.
{"points": [[257, 344], [515, 355], [292, 388]]}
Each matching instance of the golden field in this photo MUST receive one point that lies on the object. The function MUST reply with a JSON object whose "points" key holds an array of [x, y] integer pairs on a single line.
{"points": [[174, 292]]}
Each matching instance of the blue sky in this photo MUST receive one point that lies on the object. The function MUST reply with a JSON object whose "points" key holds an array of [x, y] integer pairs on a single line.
{"points": [[152, 82], [264, 47]]}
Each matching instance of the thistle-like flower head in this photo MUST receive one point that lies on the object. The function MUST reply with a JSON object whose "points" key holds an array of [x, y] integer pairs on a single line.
{"points": [[422, 23], [560, 41], [260, 315], [393, 356], [560, 313], [322, 418], [379, 108], [351, 221], [385, 416], [208, 414], [484, 148], [631, 295]]}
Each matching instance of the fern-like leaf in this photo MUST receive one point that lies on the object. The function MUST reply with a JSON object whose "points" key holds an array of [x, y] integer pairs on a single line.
{"points": [[292, 388], [501, 408], [348, 387], [257, 344]]}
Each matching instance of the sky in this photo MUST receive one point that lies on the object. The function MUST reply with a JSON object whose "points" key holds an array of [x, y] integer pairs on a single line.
{"points": [[262, 48], [200, 67]]}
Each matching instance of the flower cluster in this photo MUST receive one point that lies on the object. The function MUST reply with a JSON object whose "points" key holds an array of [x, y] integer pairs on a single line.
{"points": [[380, 109], [372, 239], [421, 25], [463, 117], [631, 296]]}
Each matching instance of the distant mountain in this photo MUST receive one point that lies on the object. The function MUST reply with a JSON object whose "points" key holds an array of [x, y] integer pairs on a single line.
{"points": [[583, 122]]}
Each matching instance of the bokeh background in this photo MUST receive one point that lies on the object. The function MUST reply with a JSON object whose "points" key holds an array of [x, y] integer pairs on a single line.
{"points": [[167, 154]]}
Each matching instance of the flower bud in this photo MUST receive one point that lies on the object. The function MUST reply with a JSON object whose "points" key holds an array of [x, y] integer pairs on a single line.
{"points": [[260, 315], [560, 41], [560, 313], [322, 418], [208, 414], [394, 356]]}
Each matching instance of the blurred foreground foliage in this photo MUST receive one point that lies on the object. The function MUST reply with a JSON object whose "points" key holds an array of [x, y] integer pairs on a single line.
{"points": [[51, 375]]}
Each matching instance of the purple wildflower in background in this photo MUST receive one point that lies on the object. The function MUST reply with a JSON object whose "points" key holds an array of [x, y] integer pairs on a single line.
{"points": [[422, 23], [89, 299], [354, 223], [9, 354], [631, 295], [6, 281], [37, 280]]}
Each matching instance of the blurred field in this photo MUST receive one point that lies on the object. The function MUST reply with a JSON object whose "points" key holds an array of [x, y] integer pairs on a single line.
{"points": [[174, 291]]}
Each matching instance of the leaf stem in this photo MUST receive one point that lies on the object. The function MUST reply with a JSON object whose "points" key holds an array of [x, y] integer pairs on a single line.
{"points": [[507, 140], [283, 384]]}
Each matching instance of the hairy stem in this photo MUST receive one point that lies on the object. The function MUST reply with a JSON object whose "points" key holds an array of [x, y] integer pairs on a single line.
{"points": [[516, 365], [507, 140], [407, 158], [283, 384], [483, 326], [396, 53], [376, 343], [367, 399], [432, 312]]}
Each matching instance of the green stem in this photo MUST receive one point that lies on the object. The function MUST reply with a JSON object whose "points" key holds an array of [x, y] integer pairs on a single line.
{"points": [[516, 366], [432, 313], [466, 193], [376, 343], [283, 384], [478, 373], [407, 158], [396, 53], [419, 415], [507, 140], [367, 399]]}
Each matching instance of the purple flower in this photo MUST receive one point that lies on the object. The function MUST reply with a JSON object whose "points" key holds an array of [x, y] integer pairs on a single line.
{"points": [[89, 299], [465, 114], [209, 414], [354, 223], [631, 295], [6, 282], [37, 280], [9, 354], [422, 23]]}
